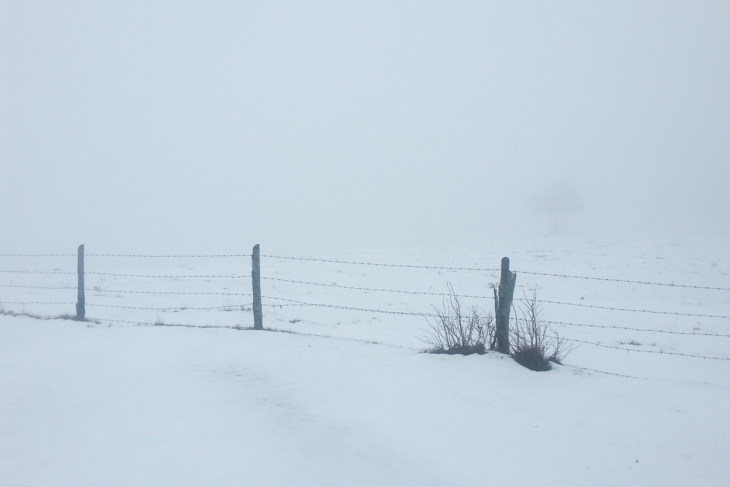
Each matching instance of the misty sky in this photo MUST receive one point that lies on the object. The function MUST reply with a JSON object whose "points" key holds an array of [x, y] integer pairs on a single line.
{"points": [[151, 126]]}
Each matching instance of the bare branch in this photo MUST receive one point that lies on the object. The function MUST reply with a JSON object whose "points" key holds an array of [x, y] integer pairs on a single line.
{"points": [[456, 330]]}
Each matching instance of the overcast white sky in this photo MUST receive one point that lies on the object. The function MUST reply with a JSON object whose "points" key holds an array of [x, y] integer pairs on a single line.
{"points": [[146, 126]]}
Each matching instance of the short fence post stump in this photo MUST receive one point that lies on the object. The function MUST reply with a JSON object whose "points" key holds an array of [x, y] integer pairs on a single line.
{"points": [[502, 303]]}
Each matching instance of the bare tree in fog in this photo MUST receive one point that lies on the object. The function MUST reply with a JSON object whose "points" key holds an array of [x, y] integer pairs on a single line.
{"points": [[558, 202]]}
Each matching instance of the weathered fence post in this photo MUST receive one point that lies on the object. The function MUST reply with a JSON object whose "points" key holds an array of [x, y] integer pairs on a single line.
{"points": [[81, 303], [258, 322], [502, 304]]}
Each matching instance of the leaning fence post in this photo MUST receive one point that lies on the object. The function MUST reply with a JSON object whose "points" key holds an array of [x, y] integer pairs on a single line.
{"points": [[502, 304], [81, 303], [258, 323]]}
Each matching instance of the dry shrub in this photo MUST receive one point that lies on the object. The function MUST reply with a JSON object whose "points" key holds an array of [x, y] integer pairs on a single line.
{"points": [[534, 344], [457, 330]]}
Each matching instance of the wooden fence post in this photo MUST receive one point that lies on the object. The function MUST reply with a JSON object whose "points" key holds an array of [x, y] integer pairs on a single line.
{"points": [[81, 303], [258, 323], [502, 304]]}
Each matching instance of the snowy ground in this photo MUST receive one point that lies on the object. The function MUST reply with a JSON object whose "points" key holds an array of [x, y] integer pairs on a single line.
{"points": [[349, 399]]}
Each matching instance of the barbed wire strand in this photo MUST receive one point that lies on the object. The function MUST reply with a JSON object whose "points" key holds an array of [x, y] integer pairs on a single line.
{"points": [[382, 265], [188, 276], [349, 308], [171, 309], [38, 255], [648, 330], [625, 281], [167, 292], [395, 291], [282, 305], [245, 328], [161, 323], [476, 269], [172, 256], [362, 340], [165, 256], [300, 303], [134, 292], [38, 272], [35, 287], [370, 289], [479, 269], [648, 351], [164, 309], [487, 297], [627, 309], [577, 367]]}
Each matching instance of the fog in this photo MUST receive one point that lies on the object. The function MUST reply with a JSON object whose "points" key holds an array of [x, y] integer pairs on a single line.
{"points": [[143, 126]]}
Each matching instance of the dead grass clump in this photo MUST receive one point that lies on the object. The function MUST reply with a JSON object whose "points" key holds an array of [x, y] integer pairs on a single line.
{"points": [[533, 358], [65, 316]]}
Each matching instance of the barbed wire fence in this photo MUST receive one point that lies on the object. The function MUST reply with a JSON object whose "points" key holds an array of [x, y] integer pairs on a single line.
{"points": [[104, 295], [245, 302]]}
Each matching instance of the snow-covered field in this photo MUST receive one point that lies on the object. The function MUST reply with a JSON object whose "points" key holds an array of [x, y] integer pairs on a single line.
{"points": [[348, 399]]}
